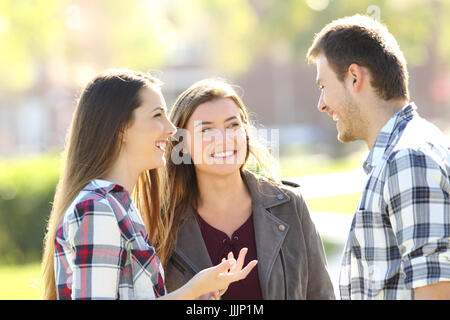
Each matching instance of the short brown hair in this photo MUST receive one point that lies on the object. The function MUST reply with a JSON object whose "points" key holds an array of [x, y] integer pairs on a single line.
{"points": [[362, 40]]}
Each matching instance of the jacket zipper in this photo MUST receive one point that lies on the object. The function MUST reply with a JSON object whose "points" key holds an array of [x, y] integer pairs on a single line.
{"points": [[283, 265], [190, 268]]}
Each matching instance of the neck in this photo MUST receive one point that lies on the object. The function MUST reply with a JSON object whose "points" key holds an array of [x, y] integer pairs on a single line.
{"points": [[221, 192], [380, 114], [123, 174]]}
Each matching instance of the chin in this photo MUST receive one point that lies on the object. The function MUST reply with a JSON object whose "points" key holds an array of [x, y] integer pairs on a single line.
{"points": [[345, 138], [221, 169], [159, 163]]}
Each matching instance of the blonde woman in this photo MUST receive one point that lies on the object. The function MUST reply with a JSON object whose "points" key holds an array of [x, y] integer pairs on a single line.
{"points": [[99, 243], [217, 205]]}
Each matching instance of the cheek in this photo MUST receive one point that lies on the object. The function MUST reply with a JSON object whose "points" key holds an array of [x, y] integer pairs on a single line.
{"points": [[241, 140], [328, 98], [155, 128], [150, 132], [197, 145]]}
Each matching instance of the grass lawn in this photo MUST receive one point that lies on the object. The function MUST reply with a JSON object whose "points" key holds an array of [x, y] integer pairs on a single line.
{"points": [[20, 282], [305, 165], [344, 203]]}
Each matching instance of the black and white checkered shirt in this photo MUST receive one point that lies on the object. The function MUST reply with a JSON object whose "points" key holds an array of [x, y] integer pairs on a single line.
{"points": [[400, 234]]}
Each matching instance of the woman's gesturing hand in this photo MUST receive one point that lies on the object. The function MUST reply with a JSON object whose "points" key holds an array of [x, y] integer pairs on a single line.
{"points": [[212, 282]]}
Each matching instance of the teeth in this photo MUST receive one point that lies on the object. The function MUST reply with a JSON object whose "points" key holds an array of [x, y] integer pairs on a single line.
{"points": [[335, 117], [223, 154], [161, 145]]}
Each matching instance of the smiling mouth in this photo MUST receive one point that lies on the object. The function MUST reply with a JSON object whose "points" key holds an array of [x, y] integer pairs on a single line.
{"points": [[223, 155], [333, 115], [161, 145]]}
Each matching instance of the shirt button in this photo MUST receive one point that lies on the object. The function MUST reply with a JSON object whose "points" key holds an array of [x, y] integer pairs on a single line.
{"points": [[236, 238], [280, 197], [224, 241], [281, 227]]}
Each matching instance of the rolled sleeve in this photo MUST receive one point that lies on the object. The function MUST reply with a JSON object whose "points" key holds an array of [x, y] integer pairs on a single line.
{"points": [[97, 252], [417, 198]]}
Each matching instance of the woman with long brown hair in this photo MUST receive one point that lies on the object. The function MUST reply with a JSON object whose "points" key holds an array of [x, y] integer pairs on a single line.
{"points": [[217, 206], [100, 244]]}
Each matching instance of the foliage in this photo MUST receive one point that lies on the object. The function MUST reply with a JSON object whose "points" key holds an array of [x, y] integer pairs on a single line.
{"points": [[27, 188], [29, 31], [41, 36]]}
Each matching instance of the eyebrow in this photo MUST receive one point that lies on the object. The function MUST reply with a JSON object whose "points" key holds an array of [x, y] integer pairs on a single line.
{"points": [[209, 122], [158, 108], [230, 118]]}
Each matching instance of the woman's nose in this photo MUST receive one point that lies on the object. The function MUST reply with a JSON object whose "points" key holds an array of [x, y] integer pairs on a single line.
{"points": [[171, 129]]}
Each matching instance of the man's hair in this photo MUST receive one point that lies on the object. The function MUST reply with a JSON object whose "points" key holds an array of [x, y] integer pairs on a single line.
{"points": [[362, 40]]}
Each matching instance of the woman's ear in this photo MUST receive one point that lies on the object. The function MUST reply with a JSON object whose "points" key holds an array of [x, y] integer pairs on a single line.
{"points": [[123, 136]]}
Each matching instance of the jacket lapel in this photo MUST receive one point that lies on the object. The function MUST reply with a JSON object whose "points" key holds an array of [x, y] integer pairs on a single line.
{"points": [[190, 245], [270, 231]]}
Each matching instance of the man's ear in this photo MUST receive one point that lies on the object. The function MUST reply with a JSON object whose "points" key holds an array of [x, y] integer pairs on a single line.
{"points": [[355, 76]]}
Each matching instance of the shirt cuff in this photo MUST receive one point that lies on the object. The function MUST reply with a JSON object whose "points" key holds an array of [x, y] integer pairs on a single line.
{"points": [[425, 270]]}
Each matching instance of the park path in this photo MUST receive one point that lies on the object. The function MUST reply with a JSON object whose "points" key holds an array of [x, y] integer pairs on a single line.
{"points": [[332, 184], [333, 227]]}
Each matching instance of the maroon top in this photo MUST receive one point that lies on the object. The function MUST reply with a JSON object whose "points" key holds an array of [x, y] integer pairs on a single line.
{"points": [[219, 245]]}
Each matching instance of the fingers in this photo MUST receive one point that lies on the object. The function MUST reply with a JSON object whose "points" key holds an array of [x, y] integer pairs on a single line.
{"points": [[215, 295], [238, 275], [241, 259], [225, 265], [222, 292], [248, 268]]}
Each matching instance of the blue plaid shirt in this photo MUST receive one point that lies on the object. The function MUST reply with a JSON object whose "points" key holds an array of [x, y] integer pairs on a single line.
{"points": [[400, 234]]}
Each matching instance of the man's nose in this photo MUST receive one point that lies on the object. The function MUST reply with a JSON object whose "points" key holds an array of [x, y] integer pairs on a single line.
{"points": [[321, 106]]}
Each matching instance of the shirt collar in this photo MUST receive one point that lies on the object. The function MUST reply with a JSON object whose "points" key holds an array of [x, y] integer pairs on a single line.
{"points": [[384, 139], [103, 187]]}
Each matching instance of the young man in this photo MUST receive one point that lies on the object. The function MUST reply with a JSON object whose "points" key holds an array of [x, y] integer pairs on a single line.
{"points": [[399, 241]]}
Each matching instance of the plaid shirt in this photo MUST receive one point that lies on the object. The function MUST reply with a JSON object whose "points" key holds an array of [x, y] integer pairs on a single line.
{"points": [[102, 249], [400, 234]]}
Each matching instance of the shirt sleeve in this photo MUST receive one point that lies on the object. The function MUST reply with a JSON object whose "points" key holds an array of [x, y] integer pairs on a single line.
{"points": [[97, 252], [417, 198]]}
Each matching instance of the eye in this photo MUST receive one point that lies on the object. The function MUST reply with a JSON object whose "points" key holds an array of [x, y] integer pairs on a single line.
{"points": [[157, 115], [234, 125], [321, 87], [205, 130]]}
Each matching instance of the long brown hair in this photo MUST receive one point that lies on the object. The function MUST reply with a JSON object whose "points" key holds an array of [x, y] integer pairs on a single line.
{"points": [[180, 180], [103, 112]]}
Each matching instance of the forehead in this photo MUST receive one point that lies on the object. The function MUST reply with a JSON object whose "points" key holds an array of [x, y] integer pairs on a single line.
{"points": [[151, 96], [215, 111], [324, 70]]}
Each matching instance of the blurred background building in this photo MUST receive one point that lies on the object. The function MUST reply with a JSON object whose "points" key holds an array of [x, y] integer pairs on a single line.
{"points": [[49, 49]]}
